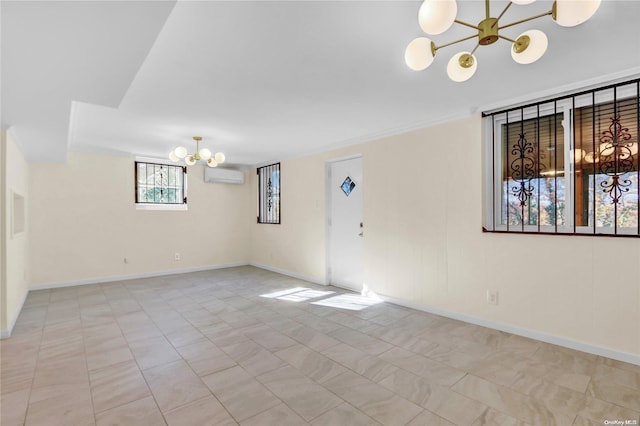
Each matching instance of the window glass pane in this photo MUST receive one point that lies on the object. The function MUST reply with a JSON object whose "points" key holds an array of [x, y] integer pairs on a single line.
{"points": [[275, 195], [533, 172], [269, 194], [606, 141], [142, 173], [159, 183], [626, 209]]}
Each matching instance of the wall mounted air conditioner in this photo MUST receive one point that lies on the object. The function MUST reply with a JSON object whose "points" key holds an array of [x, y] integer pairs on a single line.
{"points": [[220, 175]]}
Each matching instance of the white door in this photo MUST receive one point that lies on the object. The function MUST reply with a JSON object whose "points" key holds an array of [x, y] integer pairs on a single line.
{"points": [[344, 180]]}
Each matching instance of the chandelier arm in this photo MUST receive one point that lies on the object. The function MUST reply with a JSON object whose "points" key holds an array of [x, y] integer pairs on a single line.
{"points": [[501, 13], [457, 41], [506, 38], [487, 8], [466, 24], [525, 20], [474, 49]]}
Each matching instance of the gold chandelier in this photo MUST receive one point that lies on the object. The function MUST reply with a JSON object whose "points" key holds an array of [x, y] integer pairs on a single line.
{"points": [[200, 154], [436, 16]]}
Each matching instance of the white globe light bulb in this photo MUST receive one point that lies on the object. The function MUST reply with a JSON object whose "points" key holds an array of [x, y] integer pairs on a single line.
{"points": [[190, 160], [219, 157], [569, 13], [205, 154], [180, 152], [419, 55], [173, 157], [459, 73], [529, 47], [212, 163], [436, 16], [522, 2]]}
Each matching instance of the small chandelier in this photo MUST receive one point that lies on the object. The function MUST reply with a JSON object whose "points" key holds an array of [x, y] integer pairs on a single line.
{"points": [[200, 154], [436, 16]]}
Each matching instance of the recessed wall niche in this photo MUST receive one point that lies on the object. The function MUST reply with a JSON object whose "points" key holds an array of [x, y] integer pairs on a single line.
{"points": [[17, 214]]}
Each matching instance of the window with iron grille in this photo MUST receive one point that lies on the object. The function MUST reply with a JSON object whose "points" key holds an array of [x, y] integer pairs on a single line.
{"points": [[269, 194], [160, 185], [567, 166]]}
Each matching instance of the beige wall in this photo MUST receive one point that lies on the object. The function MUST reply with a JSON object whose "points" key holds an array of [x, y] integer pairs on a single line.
{"points": [[15, 283], [297, 245], [424, 245], [3, 238], [84, 223]]}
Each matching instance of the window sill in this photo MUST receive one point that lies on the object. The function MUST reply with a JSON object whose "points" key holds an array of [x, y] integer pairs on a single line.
{"points": [[626, 233], [170, 207]]}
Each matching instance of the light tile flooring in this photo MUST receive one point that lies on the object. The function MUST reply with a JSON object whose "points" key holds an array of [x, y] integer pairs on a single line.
{"points": [[205, 349]]}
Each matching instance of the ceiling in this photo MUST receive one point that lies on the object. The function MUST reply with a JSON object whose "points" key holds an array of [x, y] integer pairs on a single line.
{"points": [[265, 81]]}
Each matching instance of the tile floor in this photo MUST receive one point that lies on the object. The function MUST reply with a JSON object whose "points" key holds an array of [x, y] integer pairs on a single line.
{"points": [[205, 349]]}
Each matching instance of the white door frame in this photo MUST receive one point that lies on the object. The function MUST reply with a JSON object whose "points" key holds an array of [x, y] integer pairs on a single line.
{"points": [[327, 215]]}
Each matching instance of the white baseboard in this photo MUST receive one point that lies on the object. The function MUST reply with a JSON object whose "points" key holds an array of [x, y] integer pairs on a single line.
{"points": [[12, 321], [532, 334], [289, 273], [133, 276]]}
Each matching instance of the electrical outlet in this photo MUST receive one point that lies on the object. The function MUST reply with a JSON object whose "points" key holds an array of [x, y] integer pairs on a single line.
{"points": [[492, 297], [176, 257]]}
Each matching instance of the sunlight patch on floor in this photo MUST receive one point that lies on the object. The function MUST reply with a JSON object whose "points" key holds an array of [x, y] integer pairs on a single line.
{"points": [[297, 294], [352, 302], [283, 292], [305, 295]]}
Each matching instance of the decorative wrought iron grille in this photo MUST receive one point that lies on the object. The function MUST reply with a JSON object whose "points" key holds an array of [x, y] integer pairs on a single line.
{"points": [[616, 159], [567, 165], [269, 194], [160, 183]]}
